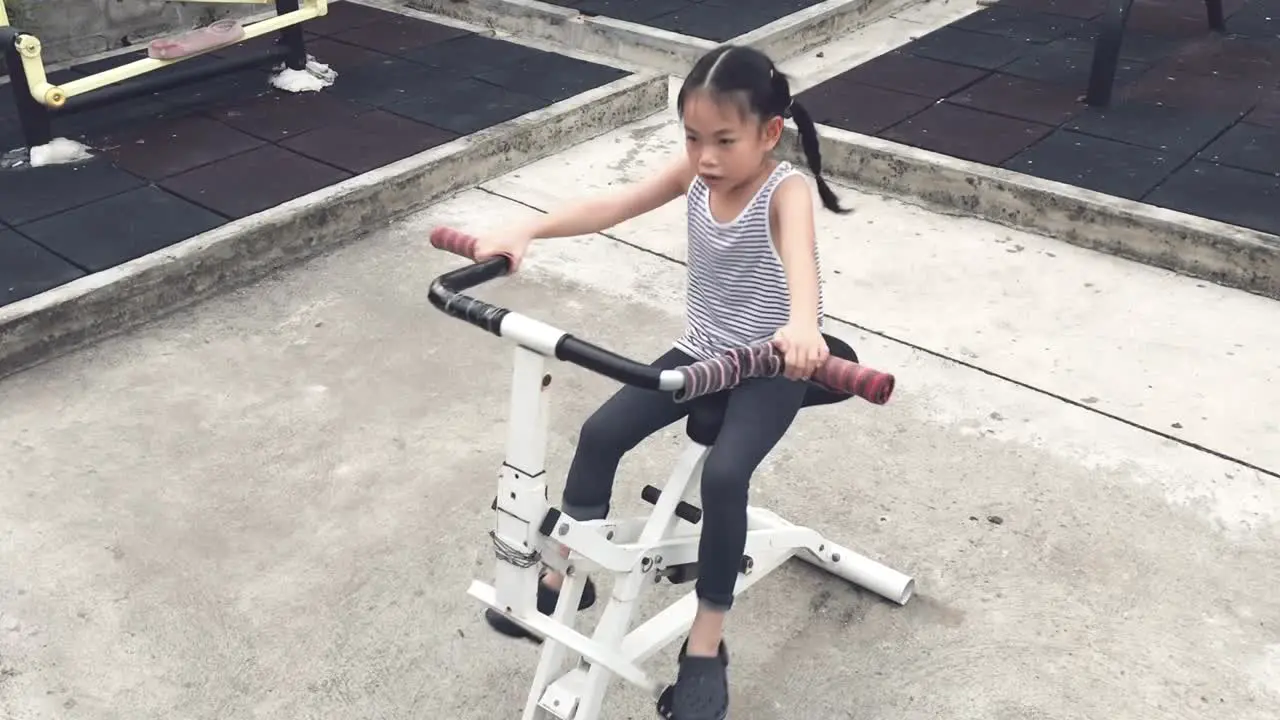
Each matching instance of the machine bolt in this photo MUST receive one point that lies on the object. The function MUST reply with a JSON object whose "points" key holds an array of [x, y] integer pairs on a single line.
{"points": [[546, 380], [564, 530], [835, 557]]}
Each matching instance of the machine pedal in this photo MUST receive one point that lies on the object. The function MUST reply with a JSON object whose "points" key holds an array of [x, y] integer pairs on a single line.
{"points": [[689, 513]]}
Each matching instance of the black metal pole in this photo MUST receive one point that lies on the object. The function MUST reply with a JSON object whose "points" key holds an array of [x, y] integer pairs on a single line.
{"points": [[1216, 20], [165, 78], [33, 116], [1106, 53], [291, 37]]}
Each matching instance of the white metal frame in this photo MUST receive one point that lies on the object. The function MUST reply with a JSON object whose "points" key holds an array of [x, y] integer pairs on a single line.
{"points": [[639, 551]]}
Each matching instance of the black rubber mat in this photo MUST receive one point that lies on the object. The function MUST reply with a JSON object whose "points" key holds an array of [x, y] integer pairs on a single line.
{"points": [[28, 194], [1020, 24], [1094, 163], [1248, 147], [1067, 61], [968, 134], [1141, 48], [343, 55], [861, 108], [1257, 19], [1017, 100], [173, 164], [1180, 131], [275, 116], [388, 81], [368, 141], [398, 34], [1267, 111], [474, 53], [27, 269], [552, 77], [1020, 98], [167, 147], [471, 105], [1179, 88], [1222, 193], [1230, 58], [251, 182], [122, 227], [233, 88], [1175, 18], [343, 16], [1082, 9], [906, 73], [108, 117], [964, 47]]}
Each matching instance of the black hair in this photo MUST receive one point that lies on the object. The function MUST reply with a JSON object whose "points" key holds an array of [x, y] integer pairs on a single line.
{"points": [[765, 92]]}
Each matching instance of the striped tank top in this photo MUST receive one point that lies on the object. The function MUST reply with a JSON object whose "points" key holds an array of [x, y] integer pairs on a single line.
{"points": [[737, 287]]}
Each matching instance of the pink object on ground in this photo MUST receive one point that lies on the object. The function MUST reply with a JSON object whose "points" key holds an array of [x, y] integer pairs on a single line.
{"points": [[222, 32]]}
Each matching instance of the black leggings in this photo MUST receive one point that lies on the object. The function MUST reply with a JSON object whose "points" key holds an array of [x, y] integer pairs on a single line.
{"points": [[755, 415]]}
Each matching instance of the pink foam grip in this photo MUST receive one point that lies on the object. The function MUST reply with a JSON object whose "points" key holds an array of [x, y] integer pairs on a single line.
{"points": [[765, 360], [454, 241], [851, 378]]}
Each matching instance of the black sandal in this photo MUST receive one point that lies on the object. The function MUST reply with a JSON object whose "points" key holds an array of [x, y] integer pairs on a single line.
{"points": [[701, 691], [547, 599]]}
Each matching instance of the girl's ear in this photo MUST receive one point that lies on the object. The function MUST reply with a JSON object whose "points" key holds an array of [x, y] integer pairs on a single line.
{"points": [[773, 131]]}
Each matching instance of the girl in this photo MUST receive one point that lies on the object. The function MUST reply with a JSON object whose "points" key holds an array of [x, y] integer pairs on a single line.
{"points": [[753, 275]]}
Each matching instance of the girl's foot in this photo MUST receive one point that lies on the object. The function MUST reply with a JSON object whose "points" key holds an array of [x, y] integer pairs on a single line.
{"points": [[701, 691], [547, 599]]}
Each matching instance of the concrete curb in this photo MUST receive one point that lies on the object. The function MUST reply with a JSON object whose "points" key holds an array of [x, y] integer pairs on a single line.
{"points": [[629, 44], [1215, 251], [800, 32], [92, 307], [638, 46]]}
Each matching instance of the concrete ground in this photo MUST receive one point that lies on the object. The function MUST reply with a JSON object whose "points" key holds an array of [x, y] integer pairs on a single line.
{"points": [[270, 505]]}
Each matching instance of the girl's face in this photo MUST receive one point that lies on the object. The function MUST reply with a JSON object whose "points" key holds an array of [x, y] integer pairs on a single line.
{"points": [[726, 144]]}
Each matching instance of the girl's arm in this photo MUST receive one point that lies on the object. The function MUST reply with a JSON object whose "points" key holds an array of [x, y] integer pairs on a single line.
{"points": [[603, 212], [792, 211]]}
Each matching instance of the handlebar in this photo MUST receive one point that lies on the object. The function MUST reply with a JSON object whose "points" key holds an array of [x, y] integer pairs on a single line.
{"points": [[446, 293]]}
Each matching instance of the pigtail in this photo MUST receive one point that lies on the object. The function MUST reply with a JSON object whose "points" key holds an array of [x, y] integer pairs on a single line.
{"points": [[809, 141]]}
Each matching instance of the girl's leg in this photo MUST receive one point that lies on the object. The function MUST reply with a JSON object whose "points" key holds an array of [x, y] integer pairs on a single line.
{"points": [[612, 431], [624, 420], [757, 415]]}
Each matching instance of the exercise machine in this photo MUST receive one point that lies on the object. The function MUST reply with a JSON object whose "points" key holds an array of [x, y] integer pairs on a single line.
{"points": [[37, 98], [528, 532]]}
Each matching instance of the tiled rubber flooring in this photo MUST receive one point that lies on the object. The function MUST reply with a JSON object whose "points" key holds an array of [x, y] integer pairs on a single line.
{"points": [[186, 160], [1194, 123]]}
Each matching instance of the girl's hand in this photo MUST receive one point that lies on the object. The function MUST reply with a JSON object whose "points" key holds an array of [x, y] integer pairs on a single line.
{"points": [[513, 244], [804, 349]]}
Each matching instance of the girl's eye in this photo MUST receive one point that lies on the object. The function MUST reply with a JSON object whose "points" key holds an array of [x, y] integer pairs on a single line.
{"points": [[726, 141]]}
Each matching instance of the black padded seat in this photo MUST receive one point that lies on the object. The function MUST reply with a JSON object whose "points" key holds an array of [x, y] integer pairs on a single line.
{"points": [[707, 414]]}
